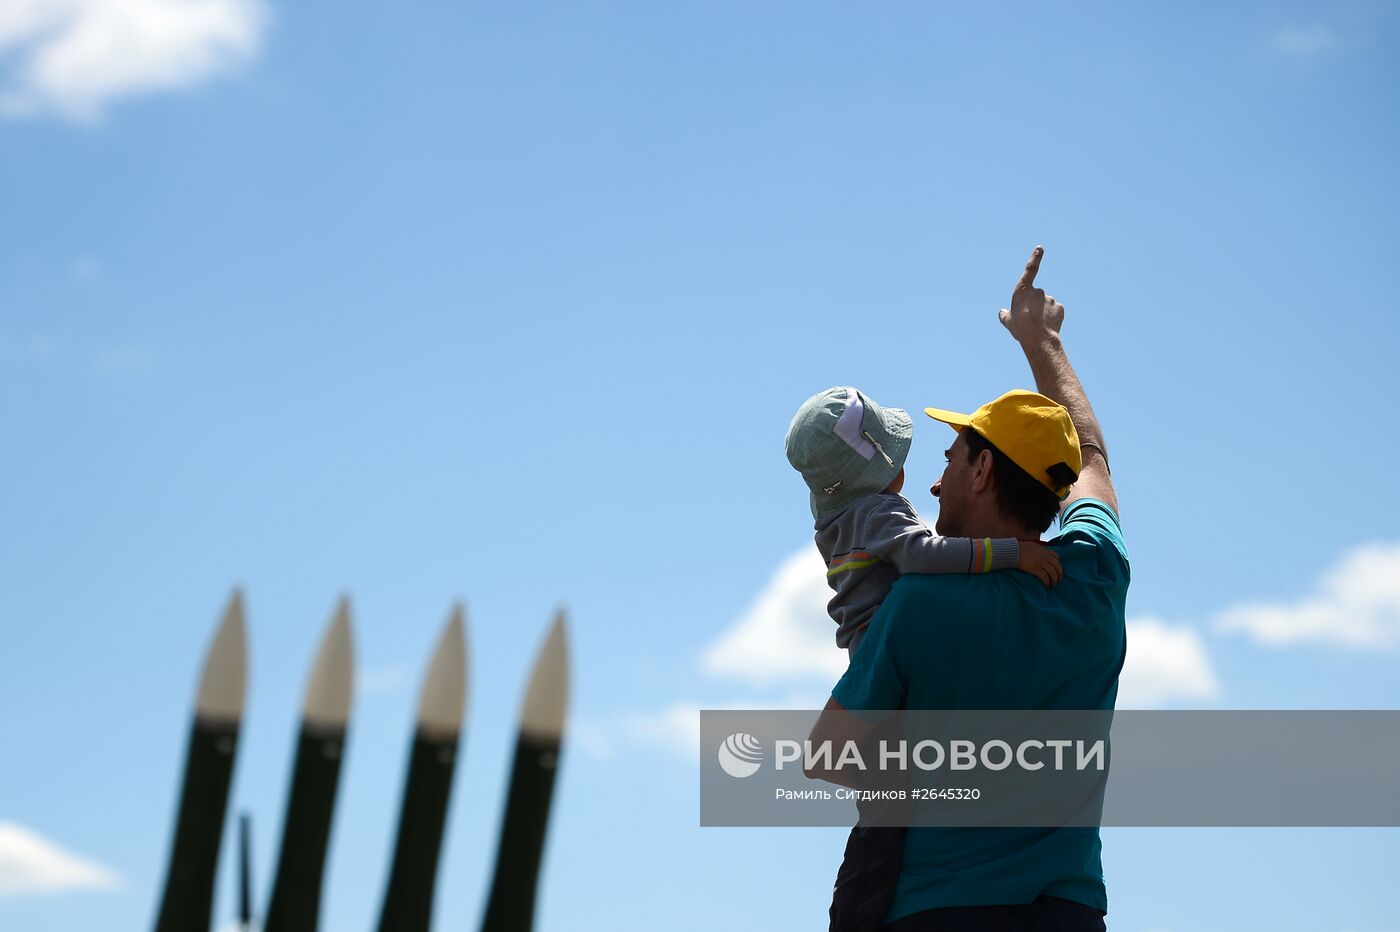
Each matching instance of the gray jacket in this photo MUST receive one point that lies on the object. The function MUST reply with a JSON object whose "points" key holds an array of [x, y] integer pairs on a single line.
{"points": [[869, 545]]}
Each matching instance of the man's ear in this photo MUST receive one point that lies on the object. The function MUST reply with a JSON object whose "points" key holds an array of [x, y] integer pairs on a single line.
{"points": [[982, 471]]}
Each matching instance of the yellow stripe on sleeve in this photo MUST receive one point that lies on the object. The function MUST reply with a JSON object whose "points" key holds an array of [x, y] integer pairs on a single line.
{"points": [[854, 565]]}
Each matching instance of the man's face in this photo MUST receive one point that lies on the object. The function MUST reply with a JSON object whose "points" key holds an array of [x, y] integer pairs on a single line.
{"points": [[951, 489]]}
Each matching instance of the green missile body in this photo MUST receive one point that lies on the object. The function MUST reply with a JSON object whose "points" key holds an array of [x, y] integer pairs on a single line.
{"points": [[295, 903], [187, 901], [408, 899], [511, 906]]}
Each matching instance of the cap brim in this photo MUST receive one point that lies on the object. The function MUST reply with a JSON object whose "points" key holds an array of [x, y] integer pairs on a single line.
{"points": [[952, 418]]}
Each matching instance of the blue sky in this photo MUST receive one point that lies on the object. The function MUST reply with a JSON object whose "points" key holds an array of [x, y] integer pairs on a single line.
{"points": [[513, 303]]}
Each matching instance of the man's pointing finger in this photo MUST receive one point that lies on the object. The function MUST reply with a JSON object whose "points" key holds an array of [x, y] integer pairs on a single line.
{"points": [[1033, 266]]}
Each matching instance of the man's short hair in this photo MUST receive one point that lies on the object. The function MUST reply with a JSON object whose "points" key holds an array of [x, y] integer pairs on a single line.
{"points": [[1019, 496]]}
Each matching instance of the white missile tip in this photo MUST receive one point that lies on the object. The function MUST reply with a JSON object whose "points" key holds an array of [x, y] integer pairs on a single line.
{"points": [[224, 678], [442, 702], [331, 686], [547, 697]]}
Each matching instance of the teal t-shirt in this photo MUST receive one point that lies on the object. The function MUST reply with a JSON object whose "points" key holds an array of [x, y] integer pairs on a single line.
{"points": [[1001, 641]]}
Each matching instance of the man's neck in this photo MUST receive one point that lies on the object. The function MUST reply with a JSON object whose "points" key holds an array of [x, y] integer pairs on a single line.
{"points": [[996, 525]]}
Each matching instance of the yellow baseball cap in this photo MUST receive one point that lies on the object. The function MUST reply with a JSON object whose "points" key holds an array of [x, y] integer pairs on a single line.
{"points": [[1034, 431]]}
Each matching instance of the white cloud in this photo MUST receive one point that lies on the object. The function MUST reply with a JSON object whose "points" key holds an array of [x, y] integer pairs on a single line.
{"points": [[1303, 41], [1356, 604], [1165, 663], [676, 727], [31, 864], [783, 639], [73, 57], [785, 635]]}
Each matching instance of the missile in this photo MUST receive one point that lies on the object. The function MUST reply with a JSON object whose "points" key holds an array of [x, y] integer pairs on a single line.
{"points": [[511, 904], [408, 899], [187, 900], [295, 903]]}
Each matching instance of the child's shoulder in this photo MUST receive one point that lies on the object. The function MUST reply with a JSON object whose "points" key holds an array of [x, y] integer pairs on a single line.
{"points": [[879, 503], [868, 508], [894, 500]]}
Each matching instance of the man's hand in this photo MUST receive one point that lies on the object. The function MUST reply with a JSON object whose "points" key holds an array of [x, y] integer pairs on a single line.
{"points": [[1033, 314], [1034, 319]]}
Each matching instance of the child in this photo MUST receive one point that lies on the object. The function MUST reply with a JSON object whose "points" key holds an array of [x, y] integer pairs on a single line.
{"points": [[851, 453]]}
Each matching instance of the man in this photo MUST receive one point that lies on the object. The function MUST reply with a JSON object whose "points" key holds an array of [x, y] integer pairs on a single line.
{"points": [[1000, 641]]}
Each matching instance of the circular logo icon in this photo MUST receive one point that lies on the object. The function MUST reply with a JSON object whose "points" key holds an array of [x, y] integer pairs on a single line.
{"points": [[740, 755]]}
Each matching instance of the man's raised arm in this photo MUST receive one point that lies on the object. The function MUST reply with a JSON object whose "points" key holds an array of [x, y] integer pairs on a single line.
{"points": [[1034, 319]]}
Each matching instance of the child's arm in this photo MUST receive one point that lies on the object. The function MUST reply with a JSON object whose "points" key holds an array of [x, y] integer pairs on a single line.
{"points": [[897, 536]]}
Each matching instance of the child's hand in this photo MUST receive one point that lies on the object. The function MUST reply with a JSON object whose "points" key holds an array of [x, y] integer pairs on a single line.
{"points": [[1040, 561]]}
